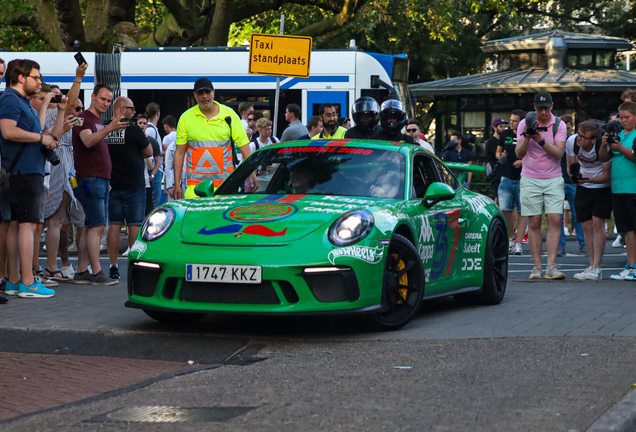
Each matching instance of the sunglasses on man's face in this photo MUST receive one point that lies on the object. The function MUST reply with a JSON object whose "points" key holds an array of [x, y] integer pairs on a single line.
{"points": [[79, 109], [411, 130]]}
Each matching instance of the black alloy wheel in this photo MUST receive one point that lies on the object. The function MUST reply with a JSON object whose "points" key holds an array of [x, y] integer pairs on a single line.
{"points": [[402, 288]]}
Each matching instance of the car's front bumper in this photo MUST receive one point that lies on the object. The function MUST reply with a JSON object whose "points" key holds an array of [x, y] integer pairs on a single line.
{"points": [[286, 287]]}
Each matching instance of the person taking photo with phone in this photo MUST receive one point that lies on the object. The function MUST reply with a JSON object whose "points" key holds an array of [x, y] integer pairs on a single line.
{"points": [[93, 166]]}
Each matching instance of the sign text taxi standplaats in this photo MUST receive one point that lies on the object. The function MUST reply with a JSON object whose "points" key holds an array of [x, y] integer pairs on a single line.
{"points": [[280, 55]]}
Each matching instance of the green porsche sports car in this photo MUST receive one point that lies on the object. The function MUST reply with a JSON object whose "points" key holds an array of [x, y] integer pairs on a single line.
{"points": [[334, 226]]}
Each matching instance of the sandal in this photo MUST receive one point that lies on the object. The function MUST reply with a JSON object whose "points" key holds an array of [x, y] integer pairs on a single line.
{"points": [[53, 275]]}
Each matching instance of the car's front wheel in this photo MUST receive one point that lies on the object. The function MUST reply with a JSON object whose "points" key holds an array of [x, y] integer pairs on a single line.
{"points": [[402, 288], [174, 317]]}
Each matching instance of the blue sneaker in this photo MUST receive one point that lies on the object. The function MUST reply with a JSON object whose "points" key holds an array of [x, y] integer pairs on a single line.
{"points": [[632, 274], [37, 290], [12, 289], [622, 275]]}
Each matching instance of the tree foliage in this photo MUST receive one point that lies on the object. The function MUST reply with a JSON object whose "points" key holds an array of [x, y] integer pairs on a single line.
{"points": [[441, 37]]}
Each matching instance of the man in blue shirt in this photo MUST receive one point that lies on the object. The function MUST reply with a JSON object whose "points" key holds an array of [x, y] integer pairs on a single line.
{"points": [[22, 142]]}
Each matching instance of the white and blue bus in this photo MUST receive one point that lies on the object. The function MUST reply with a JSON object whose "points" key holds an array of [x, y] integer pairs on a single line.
{"points": [[167, 75]]}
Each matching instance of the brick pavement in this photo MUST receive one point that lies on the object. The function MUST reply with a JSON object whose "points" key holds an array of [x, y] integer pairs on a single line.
{"points": [[33, 382]]}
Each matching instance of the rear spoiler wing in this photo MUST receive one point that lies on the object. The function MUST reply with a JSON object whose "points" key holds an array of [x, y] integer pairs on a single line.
{"points": [[464, 168]]}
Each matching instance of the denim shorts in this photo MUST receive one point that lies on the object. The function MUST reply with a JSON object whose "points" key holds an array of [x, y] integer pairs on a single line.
{"points": [[127, 205], [92, 193], [509, 195]]}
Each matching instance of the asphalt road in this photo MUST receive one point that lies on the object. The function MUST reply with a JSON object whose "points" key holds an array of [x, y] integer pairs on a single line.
{"points": [[554, 356]]}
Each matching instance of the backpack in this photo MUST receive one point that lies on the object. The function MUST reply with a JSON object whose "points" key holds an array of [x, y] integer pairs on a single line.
{"points": [[597, 146]]}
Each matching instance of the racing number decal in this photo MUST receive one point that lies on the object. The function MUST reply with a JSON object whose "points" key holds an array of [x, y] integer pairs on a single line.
{"points": [[444, 220], [441, 249], [453, 223]]}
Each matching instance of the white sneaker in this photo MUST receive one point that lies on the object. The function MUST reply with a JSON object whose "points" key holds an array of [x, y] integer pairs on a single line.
{"points": [[511, 246], [72, 248], [566, 231], [518, 249], [594, 274], [125, 254], [102, 247], [617, 243], [68, 271], [583, 275]]}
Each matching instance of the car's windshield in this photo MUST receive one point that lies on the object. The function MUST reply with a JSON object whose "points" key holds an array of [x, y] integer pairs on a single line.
{"points": [[349, 171]]}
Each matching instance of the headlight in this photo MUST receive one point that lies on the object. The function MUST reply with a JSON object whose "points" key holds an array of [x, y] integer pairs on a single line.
{"points": [[351, 227], [158, 223]]}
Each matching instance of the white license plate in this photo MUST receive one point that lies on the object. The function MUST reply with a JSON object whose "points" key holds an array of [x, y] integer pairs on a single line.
{"points": [[224, 273]]}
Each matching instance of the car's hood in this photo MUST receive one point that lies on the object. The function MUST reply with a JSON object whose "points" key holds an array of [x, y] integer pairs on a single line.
{"points": [[259, 220]]}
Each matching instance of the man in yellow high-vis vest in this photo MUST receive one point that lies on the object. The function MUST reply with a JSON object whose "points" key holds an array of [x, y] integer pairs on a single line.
{"points": [[204, 139]]}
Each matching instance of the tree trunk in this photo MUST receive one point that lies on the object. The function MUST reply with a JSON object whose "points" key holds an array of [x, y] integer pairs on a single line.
{"points": [[95, 25], [69, 17], [221, 22], [47, 25], [120, 11]]}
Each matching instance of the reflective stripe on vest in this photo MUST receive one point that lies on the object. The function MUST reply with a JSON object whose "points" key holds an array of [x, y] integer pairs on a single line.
{"points": [[208, 160]]}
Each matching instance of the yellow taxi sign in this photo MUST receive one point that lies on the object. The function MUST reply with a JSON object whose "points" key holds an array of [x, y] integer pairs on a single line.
{"points": [[280, 55]]}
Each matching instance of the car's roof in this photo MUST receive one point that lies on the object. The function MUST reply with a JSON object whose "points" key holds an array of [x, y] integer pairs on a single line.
{"points": [[364, 143]]}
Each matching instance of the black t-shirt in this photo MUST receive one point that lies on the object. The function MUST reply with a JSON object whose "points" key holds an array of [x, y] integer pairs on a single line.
{"points": [[508, 141], [491, 157], [491, 149], [125, 147], [379, 134]]}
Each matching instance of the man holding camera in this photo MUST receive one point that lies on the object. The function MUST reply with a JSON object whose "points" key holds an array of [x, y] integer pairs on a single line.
{"points": [[21, 142], [593, 197], [93, 167], [540, 144]]}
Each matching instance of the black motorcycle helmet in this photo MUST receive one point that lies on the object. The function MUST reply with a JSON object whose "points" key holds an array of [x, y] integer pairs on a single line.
{"points": [[392, 116], [366, 113]]}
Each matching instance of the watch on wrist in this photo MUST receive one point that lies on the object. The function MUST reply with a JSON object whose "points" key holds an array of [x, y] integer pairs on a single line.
{"points": [[541, 143], [41, 136]]}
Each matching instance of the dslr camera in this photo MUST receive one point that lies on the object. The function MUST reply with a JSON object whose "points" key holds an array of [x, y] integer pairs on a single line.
{"points": [[613, 128], [532, 124], [50, 154]]}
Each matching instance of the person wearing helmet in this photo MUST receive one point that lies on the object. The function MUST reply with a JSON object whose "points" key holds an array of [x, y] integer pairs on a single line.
{"points": [[392, 120], [366, 114]]}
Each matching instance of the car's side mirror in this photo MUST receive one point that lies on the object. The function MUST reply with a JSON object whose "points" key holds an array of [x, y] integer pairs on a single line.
{"points": [[437, 192], [204, 189]]}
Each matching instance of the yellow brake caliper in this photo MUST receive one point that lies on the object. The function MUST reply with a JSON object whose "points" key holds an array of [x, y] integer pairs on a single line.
{"points": [[404, 279]]}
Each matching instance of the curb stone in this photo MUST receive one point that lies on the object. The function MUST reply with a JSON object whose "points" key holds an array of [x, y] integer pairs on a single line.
{"points": [[619, 418]]}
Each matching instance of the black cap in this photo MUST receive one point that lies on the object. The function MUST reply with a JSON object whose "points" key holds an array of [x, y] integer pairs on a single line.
{"points": [[203, 84], [543, 100]]}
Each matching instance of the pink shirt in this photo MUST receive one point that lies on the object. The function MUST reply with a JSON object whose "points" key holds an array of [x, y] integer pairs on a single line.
{"points": [[537, 163]]}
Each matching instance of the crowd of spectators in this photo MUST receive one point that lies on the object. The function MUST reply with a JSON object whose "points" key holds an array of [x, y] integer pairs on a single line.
{"points": [[66, 171]]}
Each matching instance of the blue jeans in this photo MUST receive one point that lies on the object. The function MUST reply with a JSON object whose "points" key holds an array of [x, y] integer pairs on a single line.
{"points": [[158, 196], [92, 193], [570, 192]]}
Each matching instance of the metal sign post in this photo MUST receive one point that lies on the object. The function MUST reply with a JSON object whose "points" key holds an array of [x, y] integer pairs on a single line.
{"points": [[277, 97], [279, 55]]}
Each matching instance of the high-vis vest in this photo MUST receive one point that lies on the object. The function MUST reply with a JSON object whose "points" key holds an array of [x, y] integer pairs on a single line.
{"points": [[209, 151], [338, 134]]}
